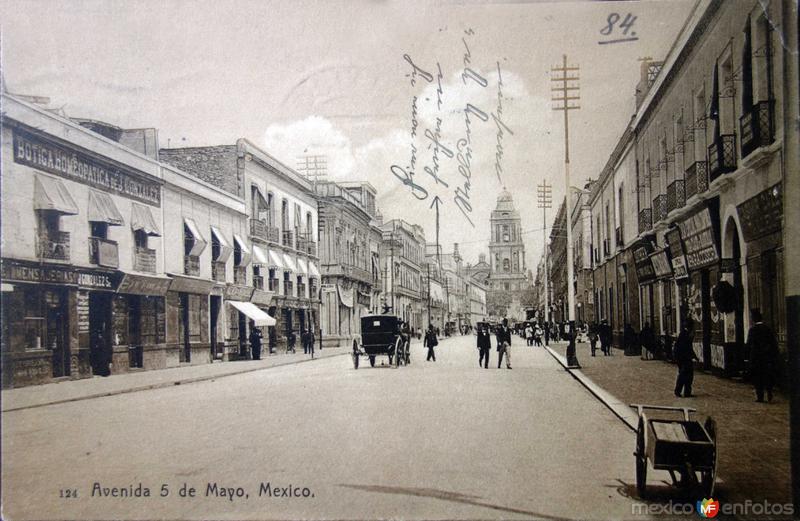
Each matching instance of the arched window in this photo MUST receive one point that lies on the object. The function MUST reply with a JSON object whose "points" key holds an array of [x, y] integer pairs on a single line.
{"points": [[506, 265]]}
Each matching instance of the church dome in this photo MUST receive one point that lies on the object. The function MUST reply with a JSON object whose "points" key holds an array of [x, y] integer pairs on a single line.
{"points": [[505, 203]]}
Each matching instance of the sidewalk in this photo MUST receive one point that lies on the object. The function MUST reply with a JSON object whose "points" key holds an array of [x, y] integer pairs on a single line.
{"points": [[752, 438], [95, 387]]}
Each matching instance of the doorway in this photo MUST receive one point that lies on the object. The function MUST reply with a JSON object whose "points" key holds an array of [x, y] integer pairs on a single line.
{"points": [[56, 322], [135, 350], [185, 351], [100, 332], [216, 304]]}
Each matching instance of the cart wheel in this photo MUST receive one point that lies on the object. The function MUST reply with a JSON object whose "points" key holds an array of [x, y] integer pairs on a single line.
{"points": [[641, 460], [408, 353], [372, 360], [398, 351], [708, 478]]}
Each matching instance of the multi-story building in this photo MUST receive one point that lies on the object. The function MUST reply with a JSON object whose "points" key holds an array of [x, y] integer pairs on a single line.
{"points": [[557, 258], [582, 257], [402, 256], [282, 212], [348, 259], [703, 160], [83, 267], [433, 297]]}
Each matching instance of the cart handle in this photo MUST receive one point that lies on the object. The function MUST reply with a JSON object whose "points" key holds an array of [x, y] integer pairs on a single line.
{"points": [[686, 410]]}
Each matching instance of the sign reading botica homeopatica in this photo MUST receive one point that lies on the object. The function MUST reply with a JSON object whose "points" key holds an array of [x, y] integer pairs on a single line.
{"points": [[45, 155]]}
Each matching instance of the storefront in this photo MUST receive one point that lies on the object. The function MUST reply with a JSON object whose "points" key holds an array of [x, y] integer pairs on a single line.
{"points": [[646, 275], [139, 323], [187, 307]]}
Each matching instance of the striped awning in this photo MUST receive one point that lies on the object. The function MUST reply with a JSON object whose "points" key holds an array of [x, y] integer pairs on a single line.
{"points": [[51, 194], [260, 256], [199, 242], [288, 263], [142, 219], [225, 248], [302, 267], [313, 272], [275, 260], [244, 251], [103, 210]]}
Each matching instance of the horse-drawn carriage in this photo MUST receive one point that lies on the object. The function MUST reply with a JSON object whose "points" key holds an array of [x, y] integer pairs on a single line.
{"points": [[381, 336]]}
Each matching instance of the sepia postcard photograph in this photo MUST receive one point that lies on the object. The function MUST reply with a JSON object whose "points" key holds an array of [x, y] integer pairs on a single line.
{"points": [[399, 260]]}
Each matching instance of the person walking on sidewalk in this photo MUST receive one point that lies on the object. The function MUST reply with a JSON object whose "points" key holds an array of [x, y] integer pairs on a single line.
{"points": [[604, 333], [255, 341], [291, 340], [504, 344], [484, 346], [684, 356], [430, 342], [593, 338], [763, 349]]}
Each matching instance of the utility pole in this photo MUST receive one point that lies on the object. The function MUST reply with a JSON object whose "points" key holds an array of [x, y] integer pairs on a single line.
{"points": [[428, 269], [567, 90], [545, 196]]}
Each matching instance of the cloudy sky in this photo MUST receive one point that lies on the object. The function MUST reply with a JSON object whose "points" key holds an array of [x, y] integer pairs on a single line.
{"points": [[336, 78]]}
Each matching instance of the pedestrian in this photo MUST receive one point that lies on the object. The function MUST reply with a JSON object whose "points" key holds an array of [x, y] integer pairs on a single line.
{"points": [[629, 340], [304, 340], [647, 340], [529, 334], [430, 342], [603, 337], [547, 333], [762, 347], [291, 340], [504, 344], [593, 336], [255, 341], [484, 346], [684, 356]]}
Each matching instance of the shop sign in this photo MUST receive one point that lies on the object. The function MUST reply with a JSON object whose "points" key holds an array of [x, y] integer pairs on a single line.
{"points": [[17, 272], [641, 257], [698, 240], [661, 264], [144, 285], [679, 267], [261, 297], [762, 214], [240, 293], [47, 156], [183, 284], [676, 253]]}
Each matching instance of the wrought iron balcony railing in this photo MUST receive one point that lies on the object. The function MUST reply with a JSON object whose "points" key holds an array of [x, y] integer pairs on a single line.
{"points": [[696, 181], [103, 252], [756, 127], [676, 197], [144, 259], [262, 231], [645, 220], [258, 281], [55, 246], [288, 238], [660, 208], [191, 265], [722, 156]]}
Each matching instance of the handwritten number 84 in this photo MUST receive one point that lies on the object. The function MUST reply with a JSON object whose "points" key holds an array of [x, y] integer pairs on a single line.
{"points": [[613, 18]]}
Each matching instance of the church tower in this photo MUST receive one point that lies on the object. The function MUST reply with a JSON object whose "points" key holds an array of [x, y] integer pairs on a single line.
{"points": [[506, 249]]}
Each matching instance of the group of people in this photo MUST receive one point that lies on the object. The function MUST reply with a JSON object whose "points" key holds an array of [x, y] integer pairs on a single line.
{"points": [[484, 344], [600, 332], [307, 338]]}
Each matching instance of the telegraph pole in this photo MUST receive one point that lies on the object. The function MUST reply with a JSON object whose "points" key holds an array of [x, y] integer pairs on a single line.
{"points": [[545, 195], [428, 269], [567, 90]]}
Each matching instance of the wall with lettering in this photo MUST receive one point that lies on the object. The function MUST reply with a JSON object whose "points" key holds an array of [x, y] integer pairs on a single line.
{"points": [[19, 219]]}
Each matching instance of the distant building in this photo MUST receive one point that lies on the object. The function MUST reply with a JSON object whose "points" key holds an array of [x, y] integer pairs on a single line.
{"points": [[403, 256], [507, 277]]}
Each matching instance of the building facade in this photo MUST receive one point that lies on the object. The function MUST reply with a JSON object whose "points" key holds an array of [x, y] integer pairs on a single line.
{"points": [[402, 256], [348, 259]]}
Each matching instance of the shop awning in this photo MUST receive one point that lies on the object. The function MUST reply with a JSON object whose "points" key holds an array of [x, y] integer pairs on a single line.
{"points": [[253, 312], [103, 210], [275, 260], [244, 251], [302, 267], [142, 219], [51, 194], [225, 248], [288, 263], [345, 296], [199, 242], [260, 256], [313, 272]]}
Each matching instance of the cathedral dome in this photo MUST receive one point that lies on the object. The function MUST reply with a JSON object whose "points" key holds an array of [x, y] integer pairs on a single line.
{"points": [[505, 203]]}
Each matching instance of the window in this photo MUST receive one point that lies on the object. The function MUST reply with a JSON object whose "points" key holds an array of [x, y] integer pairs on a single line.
{"points": [[140, 239], [621, 209], [99, 229], [763, 60], [506, 237], [284, 215], [188, 240], [309, 227], [699, 112], [506, 265]]}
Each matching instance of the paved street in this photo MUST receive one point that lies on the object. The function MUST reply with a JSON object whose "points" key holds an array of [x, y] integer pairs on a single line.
{"points": [[434, 440]]}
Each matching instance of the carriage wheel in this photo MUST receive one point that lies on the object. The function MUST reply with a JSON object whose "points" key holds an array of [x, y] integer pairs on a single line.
{"points": [[408, 353], [398, 351], [708, 478], [641, 460], [372, 360]]}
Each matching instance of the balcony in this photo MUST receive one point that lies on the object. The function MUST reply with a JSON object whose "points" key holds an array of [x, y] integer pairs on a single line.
{"points": [[645, 220], [288, 238], [54, 246], [660, 208], [288, 288], [261, 231], [696, 181], [240, 275], [619, 236], [676, 197], [103, 252], [722, 156], [313, 292], [258, 282], [302, 242], [191, 265], [756, 127], [274, 286], [144, 259], [218, 271], [301, 290], [311, 248]]}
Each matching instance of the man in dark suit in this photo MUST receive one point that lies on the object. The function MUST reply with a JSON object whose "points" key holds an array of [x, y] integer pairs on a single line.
{"points": [[430, 342], [684, 356], [484, 346], [504, 344], [255, 341], [762, 347]]}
